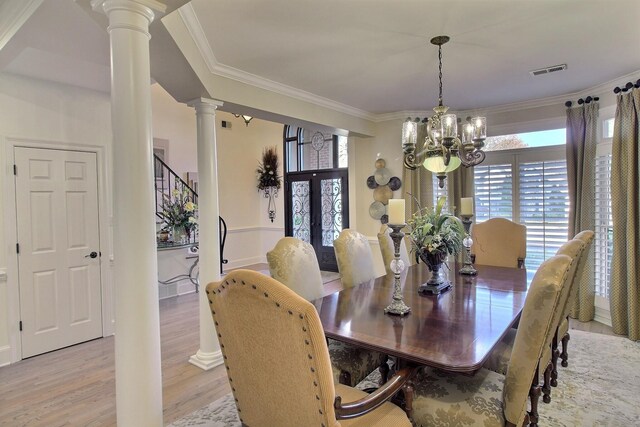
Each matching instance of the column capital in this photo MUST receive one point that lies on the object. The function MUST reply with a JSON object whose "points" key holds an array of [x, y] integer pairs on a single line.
{"points": [[204, 105], [146, 8]]}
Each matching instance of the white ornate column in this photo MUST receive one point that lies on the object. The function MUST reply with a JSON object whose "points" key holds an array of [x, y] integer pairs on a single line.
{"points": [[137, 339], [209, 354]]}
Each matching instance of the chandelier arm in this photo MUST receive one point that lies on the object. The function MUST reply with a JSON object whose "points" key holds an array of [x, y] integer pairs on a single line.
{"points": [[472, 158], [410, 161]]}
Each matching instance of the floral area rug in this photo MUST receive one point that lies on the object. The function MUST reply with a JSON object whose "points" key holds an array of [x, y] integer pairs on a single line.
{"points": [[600, 387]]}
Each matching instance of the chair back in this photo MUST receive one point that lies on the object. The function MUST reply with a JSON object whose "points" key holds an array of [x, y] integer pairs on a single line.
{"points": [[388, 251], [293, 263], [274, 351], [499, 242], [354, 256], [574, 249], [533, 329], [581, 274]]}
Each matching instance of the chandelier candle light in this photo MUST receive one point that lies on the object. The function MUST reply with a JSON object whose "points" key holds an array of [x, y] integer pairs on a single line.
{"points": [[396, 222], [444, 150], [466, 213]]}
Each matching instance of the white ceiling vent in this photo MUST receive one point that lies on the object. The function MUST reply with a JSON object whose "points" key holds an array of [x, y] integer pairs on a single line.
{"points": [[548, 70]]}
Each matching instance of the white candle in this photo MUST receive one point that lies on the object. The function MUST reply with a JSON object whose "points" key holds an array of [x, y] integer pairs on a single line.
{"points": [[396, 211], [466, 206]]}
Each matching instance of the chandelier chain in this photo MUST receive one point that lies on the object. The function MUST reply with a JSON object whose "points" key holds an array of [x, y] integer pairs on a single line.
{"points": [[440, 74]]}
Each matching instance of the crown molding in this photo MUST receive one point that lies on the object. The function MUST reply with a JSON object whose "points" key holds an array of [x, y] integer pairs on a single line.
{"points": [[598, 90], [191, 22], [14, 13]]}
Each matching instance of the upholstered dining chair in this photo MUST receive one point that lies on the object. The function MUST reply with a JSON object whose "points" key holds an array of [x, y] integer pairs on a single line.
{"points": [[488, 398], [354, 256], [499, 242], [277, 361], [563, 330], [499, 358], [293, 263], [388, 251]]}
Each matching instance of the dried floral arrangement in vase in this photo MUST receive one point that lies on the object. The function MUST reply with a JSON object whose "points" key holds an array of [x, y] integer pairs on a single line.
{"points": [[268, 179]]}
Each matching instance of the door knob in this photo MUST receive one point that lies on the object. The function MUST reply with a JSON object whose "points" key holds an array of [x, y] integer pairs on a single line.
{"points": [[93, 254]]}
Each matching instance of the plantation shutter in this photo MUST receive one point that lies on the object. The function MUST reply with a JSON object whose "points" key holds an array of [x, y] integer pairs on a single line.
{"points": [[493, 191], [544, 208], [603, 243]]}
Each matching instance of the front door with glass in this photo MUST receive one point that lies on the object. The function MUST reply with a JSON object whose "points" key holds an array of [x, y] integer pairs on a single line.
{"points": [[316, 179], [317, 212]]}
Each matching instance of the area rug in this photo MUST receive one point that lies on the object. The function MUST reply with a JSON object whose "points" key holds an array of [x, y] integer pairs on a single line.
{"points": [[600, 387]]}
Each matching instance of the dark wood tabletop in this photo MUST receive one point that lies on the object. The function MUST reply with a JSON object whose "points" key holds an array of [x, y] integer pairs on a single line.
{"points": [[454, 331]]}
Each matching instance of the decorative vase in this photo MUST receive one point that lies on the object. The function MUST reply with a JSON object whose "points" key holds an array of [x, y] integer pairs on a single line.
{"points": [[438, 283], [179, 234]]}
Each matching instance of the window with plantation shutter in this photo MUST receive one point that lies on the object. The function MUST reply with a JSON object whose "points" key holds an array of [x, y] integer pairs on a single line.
{"points": [[543, 207], [603, 242], [527, 186], [493, 191]]}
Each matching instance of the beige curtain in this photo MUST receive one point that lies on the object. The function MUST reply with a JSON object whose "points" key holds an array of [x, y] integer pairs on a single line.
{"points": [[625, 185], [460, 184], [416, 184], [582, 135]]}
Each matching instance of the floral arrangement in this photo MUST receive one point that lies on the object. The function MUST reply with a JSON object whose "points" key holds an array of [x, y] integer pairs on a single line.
{"points": [[435, 234], [268, 169], [180, 211]]}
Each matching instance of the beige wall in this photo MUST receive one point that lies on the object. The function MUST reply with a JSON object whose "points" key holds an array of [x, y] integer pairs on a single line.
{"points": [[239, 149]]}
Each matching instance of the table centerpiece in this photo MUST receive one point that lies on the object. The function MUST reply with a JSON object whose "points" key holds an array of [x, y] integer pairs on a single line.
{"points": [[435, 234]]}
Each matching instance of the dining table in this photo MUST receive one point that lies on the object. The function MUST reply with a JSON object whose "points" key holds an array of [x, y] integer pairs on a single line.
{"points": [[454, 331]]}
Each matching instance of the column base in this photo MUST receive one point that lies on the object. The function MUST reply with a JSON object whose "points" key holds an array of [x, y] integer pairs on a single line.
{"points": [[206, 361]]}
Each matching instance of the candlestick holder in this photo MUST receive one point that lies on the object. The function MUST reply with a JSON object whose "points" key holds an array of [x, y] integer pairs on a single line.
{"points": [[397, 306], [467, 268]]}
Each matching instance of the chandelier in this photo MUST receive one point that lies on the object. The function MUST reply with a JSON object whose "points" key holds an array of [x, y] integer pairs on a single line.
{"points": [[444, 150]]}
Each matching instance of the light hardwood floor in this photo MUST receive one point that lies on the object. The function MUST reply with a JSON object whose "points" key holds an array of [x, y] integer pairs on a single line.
{"points": [[75, 386]]}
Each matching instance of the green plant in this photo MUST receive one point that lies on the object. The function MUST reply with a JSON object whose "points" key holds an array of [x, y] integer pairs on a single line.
{"points": [[268, 169], [434, 232], [180, 211]]}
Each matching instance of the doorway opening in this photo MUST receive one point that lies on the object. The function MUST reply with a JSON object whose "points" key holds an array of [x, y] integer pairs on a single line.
{"points": [[317, 190]]}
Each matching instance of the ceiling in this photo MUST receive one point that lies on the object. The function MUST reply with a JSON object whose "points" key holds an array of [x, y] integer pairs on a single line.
{"points": [[373, 55]]}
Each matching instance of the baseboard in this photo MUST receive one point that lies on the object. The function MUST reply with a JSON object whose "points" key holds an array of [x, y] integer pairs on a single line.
{"points": [[5, 355], [239, 263], [603, 316]]}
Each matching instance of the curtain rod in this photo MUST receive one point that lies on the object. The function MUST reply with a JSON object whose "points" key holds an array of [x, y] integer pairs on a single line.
{"points": [[628, 86], [581, 101]]}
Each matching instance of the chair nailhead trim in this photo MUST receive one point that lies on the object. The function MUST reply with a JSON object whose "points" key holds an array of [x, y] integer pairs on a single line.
{"points": [[266, 295], [277, 304], [290, 312], [234, 280], [312, 369], [207, 292], [301, 316], [210, 303], [315, 384], [254, 286], [309, 356], [306, 342], [242, 281]]}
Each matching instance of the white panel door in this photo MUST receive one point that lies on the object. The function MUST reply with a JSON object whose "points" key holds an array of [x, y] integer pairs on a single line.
{"points": [[59, 262]]}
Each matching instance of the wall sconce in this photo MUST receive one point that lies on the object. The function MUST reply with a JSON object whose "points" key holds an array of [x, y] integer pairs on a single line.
{"points": [[246, 118]]}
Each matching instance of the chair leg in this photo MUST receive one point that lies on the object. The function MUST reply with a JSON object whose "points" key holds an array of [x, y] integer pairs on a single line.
{"points": [[384, 371], [534, 396], [408, 399], [555, 354], [565, 355], [546, 387]]}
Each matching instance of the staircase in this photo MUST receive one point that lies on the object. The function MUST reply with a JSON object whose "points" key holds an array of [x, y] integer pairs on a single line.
{"points": [[166, 181]]}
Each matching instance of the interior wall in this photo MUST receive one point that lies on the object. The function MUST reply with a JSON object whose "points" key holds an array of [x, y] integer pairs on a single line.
{"points": [[44, 113], [239, 147]]}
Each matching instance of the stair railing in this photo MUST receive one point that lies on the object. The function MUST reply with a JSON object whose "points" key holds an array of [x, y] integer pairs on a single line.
{"points": [[166, 180]]}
